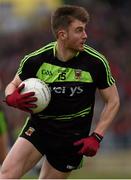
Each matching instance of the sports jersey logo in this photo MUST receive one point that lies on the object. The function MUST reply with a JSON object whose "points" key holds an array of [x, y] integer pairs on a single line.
{"points": [[71, 91], [70, 167], [30, 131], [78, 73], [46, 72]]}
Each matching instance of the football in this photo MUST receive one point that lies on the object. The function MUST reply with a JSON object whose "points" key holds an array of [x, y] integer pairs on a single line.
{"points": [[42, 92]]}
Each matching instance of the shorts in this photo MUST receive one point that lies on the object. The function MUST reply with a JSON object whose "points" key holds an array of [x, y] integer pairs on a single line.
{"points": [[56, 145], [3, 124]]}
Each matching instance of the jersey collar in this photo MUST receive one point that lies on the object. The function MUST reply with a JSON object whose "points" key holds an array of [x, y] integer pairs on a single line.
{"points": [[55, 49]]}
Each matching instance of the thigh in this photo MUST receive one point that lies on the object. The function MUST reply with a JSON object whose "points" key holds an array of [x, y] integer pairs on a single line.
{"points": [[62, 154], [21, 158], [49, 172]]}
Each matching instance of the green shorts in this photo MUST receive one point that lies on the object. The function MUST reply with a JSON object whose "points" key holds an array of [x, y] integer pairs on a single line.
{"points": [[3, 124]]}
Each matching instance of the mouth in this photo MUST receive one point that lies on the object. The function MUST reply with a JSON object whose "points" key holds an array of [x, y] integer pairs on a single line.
{"points": [[82, 43], [81, 47]]}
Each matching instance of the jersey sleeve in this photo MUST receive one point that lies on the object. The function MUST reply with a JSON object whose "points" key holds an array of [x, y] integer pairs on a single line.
{"points": [[104, 75], [27, 68], [30, 64]]}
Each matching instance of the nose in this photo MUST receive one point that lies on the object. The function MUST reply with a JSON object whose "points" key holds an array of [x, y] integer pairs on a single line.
{"points": [[84, 34]]}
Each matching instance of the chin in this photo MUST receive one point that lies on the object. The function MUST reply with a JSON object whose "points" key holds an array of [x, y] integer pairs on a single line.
{"points": [[81, 48]]}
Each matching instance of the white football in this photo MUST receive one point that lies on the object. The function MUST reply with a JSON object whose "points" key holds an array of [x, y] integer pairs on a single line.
{"points": [[42, 92]]}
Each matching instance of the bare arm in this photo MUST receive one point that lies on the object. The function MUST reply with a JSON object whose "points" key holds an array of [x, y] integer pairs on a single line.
{"points": [[12, 85], [112, 103], [91, 144]]}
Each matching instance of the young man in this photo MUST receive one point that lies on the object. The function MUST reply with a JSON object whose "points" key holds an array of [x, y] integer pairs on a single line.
{"points": [[73, 72]]}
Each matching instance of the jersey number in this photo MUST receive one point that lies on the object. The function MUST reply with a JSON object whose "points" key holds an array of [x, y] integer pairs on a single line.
{"points": [[62, 76]]}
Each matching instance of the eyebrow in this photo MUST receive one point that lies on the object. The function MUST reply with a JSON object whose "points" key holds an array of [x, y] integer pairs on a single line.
{"points": [[80, 27]]}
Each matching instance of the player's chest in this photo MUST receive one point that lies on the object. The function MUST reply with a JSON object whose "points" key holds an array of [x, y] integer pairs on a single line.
{"points": [[51, 73]]}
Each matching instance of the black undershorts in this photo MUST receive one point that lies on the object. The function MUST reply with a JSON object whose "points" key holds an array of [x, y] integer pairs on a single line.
{"points": [[55, 141]]}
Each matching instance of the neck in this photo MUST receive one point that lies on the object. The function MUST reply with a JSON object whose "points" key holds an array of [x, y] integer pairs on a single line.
{"points": [[64, 54]]}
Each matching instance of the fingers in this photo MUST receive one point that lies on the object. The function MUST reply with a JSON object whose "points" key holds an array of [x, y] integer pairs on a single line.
{"points": [[93, 153], [29, 100], [90, 153], [24, 95], [81, 151], [21, 87], [77, 143], [87, 152], [29, 105], [27, 110]]}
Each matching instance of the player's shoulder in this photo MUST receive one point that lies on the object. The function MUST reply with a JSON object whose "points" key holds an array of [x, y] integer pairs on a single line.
{"points": [[36, 55], [94, 54], [44, 49]]}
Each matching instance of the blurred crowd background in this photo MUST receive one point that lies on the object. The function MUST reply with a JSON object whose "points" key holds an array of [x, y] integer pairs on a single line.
{"points": [[25, 27]]}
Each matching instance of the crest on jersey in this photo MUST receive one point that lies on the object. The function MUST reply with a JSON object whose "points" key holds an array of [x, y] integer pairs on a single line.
{"points": [[78, 73], [30, 131]]}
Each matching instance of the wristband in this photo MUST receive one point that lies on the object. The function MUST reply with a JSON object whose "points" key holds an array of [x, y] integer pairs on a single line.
{"points": [[97, 136]]}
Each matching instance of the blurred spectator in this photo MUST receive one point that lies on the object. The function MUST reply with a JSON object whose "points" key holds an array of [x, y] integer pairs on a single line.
{"points": [[3, 132]]}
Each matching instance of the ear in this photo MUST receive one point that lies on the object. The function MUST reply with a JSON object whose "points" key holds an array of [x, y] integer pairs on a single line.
{"points": [[62, 34]]}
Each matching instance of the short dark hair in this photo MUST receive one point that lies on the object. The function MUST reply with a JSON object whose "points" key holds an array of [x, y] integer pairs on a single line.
{"points": [[65, 14]]}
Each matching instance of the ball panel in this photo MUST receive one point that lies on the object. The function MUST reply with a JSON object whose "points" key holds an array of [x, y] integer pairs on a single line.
{"points": [[42, 92]]}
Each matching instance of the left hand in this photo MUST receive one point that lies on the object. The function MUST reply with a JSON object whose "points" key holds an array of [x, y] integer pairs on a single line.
{"points": [[90, 145]]}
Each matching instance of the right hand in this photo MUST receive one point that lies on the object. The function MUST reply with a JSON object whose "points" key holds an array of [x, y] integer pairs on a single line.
{"points": [[21, 101]]}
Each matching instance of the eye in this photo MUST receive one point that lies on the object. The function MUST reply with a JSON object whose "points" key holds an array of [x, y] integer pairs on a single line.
{"points": [[80, 30]]}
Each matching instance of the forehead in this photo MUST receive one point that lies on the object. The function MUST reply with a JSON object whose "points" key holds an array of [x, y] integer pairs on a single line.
{"points": [[76, 23]]}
